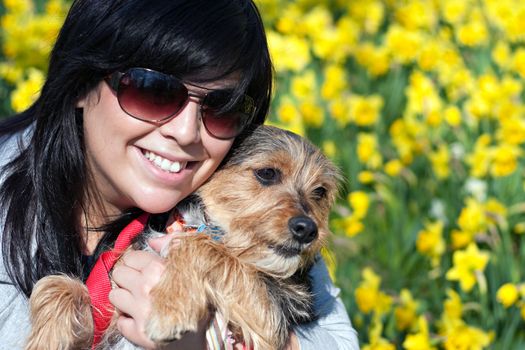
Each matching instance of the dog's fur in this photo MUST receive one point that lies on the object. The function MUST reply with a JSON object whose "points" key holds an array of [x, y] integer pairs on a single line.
{"points": [[255, 275]]}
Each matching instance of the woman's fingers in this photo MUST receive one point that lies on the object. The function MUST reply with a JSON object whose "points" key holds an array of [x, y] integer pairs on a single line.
{"points": [[130, 279], [122, 299], [135, 276], [141, 260], [134, 332], [160, 244], [163, 244]]}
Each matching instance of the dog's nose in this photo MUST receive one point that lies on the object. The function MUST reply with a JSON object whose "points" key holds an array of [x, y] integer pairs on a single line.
{"points": [[304, 229]]}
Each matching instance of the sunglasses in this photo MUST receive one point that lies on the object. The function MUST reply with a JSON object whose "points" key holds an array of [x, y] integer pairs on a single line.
{"points": [[152, 96]]}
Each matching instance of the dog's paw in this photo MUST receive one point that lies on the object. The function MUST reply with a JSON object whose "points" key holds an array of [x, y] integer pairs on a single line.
{"points": [[162, 329], [60, 314]]}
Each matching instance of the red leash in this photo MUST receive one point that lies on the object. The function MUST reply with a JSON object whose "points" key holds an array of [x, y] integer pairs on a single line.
{"points": [[98, 282]]}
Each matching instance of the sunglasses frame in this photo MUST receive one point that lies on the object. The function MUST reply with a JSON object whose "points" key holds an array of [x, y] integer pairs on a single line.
{"points": [[114, 79]]}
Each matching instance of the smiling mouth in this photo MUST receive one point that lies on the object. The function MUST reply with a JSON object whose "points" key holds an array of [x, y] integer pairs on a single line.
{"points": [[163, 163]]}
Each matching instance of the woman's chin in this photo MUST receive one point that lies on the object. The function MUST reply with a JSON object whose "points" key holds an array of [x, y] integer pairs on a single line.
{"points": [[158, 204]]}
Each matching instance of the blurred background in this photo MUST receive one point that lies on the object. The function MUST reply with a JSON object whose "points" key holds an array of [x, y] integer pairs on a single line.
{"points": [[420, 103]]}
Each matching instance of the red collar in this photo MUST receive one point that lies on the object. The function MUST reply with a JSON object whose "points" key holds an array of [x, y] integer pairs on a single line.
{"points": [[98, 282]]}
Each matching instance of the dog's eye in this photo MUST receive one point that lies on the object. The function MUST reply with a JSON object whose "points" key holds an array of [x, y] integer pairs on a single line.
{"points": [[319, 193], [268, 176]]}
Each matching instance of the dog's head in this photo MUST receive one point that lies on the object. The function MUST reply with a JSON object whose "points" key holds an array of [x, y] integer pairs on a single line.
{"points": [[273, 196]]}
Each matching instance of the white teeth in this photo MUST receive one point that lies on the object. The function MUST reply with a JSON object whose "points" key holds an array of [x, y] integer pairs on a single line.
{"points": [[165, 164], [175, 167]]}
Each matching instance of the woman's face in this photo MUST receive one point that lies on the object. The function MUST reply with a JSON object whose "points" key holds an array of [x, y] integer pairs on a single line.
{"points": [[136, 164]]}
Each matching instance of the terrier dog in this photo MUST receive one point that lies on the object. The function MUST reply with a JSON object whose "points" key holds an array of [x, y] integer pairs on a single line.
{"points": [[265, 214]]}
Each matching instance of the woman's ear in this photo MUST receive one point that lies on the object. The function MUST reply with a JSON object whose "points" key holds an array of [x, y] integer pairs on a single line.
{"points": [[81, 102], [91, 97]]}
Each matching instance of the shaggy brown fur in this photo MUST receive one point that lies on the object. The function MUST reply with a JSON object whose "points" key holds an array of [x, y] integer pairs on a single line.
{"points": [[271, 199]]}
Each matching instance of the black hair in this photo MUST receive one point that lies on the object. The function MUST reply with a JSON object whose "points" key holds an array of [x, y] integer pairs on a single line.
{"points": [[45, 185]]}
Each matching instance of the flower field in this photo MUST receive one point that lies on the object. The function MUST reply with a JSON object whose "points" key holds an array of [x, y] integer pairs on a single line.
{"points": [[420, 103]]}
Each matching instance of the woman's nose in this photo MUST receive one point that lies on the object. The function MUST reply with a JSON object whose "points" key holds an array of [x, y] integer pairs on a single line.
{"points": [[185, 126]]}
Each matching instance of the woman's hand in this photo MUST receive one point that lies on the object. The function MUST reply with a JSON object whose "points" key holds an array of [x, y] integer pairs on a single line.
{"points": [[135, 276]]}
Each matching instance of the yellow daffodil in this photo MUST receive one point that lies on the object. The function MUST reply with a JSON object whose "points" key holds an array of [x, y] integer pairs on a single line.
{"points": [[289, 53], [512, 131], [366, 177], [317, 20], [375, 59], [288, 112], [335, 82], [518, 62], [419, 340], [519, 228], [417, 15], [380, 344], [27, 91], [429, 56], [339, 108], [424, 99], [367, 293], [453, 307], [454, 11], [504, 159], [501, 54], [474, 32], [507, 294], [329, 148], [461, 239], [430, 241], [496, 211], [369, 297], [405, 313], [473, 218], [365, 110], [393, 167], [359, 202], [369, 14], [303, 86], [452, 115], [480, 159], [440, 160], [289, 19], [11, 73], [467, 263], [404, 43], [352, 225], [18, 6], [367, 150], [312, 113], [466, 337]]}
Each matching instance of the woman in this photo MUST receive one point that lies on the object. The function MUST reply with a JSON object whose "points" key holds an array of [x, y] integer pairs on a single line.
{"points": [[142, 102]]}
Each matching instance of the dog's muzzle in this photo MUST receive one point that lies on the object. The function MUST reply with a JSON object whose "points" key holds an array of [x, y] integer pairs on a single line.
{"points": [[303, 229]]}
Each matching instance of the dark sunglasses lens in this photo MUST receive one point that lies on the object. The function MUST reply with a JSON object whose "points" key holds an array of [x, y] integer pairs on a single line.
{"points": [[224, 126], [151, 95], [224, 121]]}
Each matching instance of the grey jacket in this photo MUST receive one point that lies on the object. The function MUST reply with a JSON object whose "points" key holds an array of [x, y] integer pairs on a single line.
{"points": [[332, 330]]}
